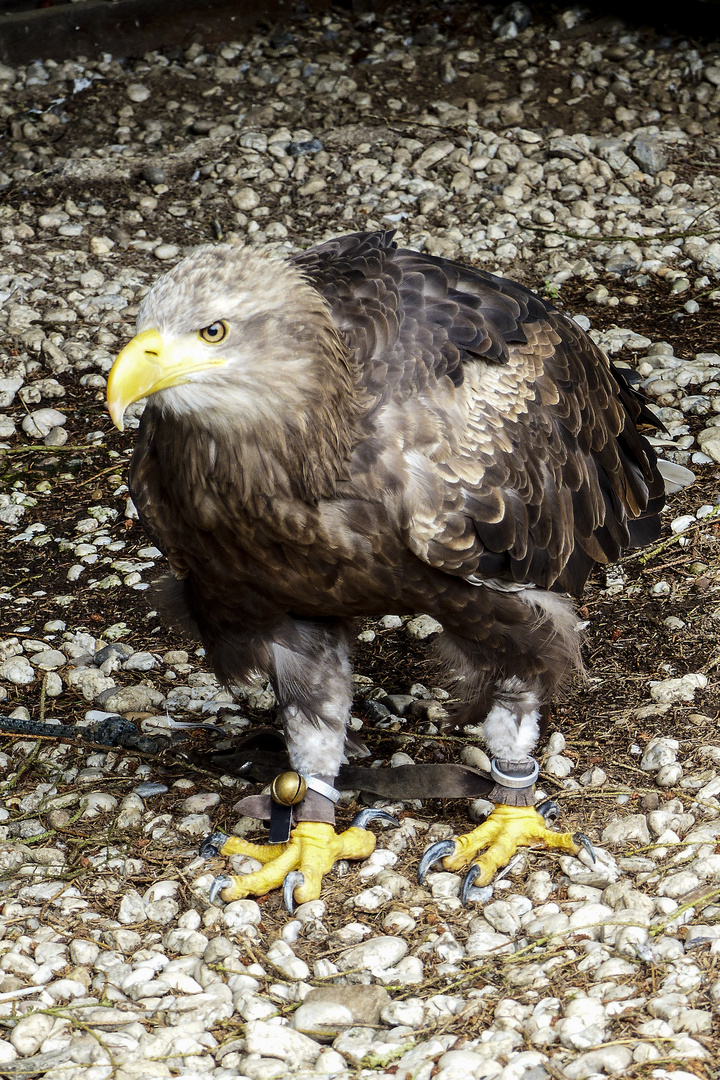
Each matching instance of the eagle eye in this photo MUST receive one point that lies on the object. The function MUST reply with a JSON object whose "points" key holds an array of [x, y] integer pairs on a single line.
{"points": [[215, 332]]}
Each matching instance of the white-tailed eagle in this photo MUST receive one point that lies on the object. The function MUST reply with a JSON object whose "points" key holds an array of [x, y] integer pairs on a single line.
{"points": [[360, 430]]}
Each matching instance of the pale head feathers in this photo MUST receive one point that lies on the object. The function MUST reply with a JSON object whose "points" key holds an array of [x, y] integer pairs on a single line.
{"points": [[287, 392], [282, 345]]}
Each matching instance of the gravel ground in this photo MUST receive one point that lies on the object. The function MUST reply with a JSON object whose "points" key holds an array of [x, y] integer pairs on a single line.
{"points": [[580, 157]]}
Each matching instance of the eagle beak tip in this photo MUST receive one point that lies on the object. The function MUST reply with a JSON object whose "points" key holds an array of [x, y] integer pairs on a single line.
{"points": [[117, 417]]}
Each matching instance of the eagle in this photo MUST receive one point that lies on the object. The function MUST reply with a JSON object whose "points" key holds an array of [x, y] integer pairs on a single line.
{"points": [[362, 429]]}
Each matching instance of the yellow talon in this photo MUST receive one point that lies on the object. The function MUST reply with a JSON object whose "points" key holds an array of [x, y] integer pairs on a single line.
{"points": [[498, 838], [313, 849]]}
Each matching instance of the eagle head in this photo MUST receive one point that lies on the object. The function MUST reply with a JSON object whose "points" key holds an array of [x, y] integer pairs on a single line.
{"points": [[230, 333]]}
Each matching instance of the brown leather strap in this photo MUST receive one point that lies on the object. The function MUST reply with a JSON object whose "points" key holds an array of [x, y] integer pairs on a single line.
{"points": [[261, 755]]}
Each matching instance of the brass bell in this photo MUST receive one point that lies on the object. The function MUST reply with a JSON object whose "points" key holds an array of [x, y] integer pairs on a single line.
{"points": [[288, 788]]}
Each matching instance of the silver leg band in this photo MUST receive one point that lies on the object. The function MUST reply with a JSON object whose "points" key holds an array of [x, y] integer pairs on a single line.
{"points": [[326, 790], [509, 777]]}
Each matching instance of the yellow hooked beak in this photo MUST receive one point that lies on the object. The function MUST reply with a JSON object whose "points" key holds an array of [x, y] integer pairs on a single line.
{"points": [[150, 363]]}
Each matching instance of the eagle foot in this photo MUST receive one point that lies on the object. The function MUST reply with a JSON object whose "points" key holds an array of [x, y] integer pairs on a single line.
{"points": [[491, 847], [311, 852], [295, 878]]}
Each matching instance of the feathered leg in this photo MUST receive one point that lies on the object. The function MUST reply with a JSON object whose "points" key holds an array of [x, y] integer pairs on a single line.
{"points": [[511, 730], [310, 669]]}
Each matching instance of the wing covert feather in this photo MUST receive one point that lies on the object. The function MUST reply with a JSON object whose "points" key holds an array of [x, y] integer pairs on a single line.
{"points": [[534, 469]]}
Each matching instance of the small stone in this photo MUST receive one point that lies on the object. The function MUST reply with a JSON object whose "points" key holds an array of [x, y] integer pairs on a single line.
{"points": [[658, 752], [669, 775], [424, 626], [633, 828], [131, 812], [649, 153], [198, 804], [680, 524], [98, 802], [154, 175], [132, 908], [674, 690], [322, 1019], [239, 913], [40, 423], [246, 199], [195, 825], [338, 1007], [677, 885], [30, 1032], [609, 1060], [556, 743], [558, 765], [131, 699], [693, 1021], [594, 777], [49, 659], [374, 956], [17, 670], [282, 957], [138, 92], [270, 1040], [165, 252], [141, 661]]}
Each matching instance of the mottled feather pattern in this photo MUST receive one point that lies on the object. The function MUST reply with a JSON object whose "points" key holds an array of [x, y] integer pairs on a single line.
{"points": [[389, 426]]}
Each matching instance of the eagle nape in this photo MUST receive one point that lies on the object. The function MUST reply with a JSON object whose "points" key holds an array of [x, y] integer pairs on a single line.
{"points": [[362, 429]]}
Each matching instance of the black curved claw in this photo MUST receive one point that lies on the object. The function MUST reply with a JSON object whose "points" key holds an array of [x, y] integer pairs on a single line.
{"points": [[222, 881], [292, 880], [586, 843], [548, 809], [434, 854], [468, 882], [212, 845], [372, 813]]}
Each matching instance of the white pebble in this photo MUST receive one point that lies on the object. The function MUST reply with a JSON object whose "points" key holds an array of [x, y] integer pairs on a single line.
{"points": [[165, 252], [669, 775], [138, 92], [606, 1060], [40, 423], [97, 802], [281, 955], [668, 691], [680, 524], [270, 1040], [196, 825], [318, 1015], [30, 1032], [422, 627], [374, 956], [372, 899], [17, 670], [558, 765], [556, 743], [658, 752], [132, 908], [239, 913]]}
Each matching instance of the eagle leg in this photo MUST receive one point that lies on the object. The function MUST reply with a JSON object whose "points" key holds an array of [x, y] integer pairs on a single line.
{"points": [[511, 731], [312, 850]]}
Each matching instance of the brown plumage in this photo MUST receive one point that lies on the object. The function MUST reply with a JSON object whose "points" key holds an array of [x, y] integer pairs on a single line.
{"points": [[385, 431]]}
